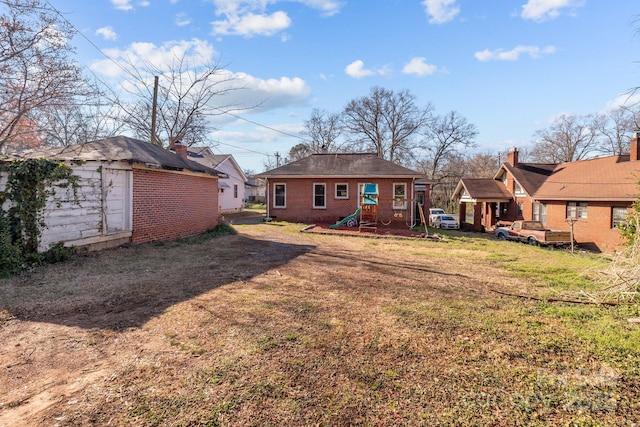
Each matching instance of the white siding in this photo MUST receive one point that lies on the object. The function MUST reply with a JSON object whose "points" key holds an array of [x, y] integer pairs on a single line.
{"points": [[226, 200], [103, 207]]}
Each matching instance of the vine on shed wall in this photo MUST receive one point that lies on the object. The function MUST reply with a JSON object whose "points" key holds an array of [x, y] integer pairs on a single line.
{"points": [[30, 183]]}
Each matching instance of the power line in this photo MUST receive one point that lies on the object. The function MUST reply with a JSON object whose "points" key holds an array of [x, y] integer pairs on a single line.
{"points": [[137, 79]]}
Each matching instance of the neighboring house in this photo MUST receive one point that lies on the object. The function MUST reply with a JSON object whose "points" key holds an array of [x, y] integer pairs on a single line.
{"points": [[231, 186], [255, 190], [130, 191], [324, 188], [592, 196]]}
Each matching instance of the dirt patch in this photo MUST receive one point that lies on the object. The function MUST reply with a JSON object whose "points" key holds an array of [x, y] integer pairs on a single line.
{"points": [[276, 327]]}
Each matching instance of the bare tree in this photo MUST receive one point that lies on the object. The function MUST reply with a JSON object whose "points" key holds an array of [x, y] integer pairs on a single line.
{"points": [[86, 117], [569, 138], [324, 129], [185, 102], [616, 128], [37, 73], [482, 165], [446, 136], [300, 151], [386, 122]]}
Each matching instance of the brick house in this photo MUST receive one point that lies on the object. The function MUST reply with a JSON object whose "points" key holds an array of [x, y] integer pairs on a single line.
{"points": [[130, 191], [591, 195], [323, 188]]}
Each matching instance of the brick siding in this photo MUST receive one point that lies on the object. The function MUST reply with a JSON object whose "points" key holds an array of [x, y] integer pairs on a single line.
{"points": [[299, 200], [170, 205]]}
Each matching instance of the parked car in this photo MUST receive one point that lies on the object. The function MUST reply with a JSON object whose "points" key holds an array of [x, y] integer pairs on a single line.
{"points": [[534, 233], [445, 221], [433, 212]]}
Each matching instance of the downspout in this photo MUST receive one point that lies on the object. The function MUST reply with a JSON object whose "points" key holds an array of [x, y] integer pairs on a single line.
{"points": [[266, 196], [414, 203]]}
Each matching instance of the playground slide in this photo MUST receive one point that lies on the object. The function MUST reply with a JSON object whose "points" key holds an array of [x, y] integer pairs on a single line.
{"points": [[346, 219]]}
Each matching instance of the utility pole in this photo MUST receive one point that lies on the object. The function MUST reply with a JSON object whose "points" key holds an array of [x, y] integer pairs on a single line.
{"points": [[277, 159], [153, 111]]}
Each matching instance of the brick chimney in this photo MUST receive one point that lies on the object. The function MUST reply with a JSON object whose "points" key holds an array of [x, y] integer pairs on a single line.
{"points": [[512, 156], [634, 149], [181, 150]]}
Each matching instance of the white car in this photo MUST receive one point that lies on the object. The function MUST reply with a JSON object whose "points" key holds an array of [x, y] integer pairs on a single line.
{"points": [[446, 222], [433, 212]]}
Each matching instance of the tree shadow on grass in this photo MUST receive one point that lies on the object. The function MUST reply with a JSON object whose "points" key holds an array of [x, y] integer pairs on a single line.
{"points": [[125, 287]]}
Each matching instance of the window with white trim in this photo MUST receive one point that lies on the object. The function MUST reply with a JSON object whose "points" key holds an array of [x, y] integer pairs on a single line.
{"points": [[577, 210], [517, 190], [399, 195], [342, 190], [319, 196], [279, 195]]}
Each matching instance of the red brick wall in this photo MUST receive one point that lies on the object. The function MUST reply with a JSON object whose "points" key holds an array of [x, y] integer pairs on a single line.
{"points": [[299, 201], [169, 205], [595, 231]]}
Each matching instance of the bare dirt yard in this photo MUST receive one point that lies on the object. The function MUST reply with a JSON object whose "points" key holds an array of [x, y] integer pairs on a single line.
{"points": [[273, 327]]}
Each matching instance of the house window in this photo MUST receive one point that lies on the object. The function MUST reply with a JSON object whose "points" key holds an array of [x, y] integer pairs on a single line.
{"points": [[235, 191], [520, 208], [279, 195], [342, 191], [518, 191], [618, 215], [399, 195], [540, 212], [577, 210], [319, 196]]}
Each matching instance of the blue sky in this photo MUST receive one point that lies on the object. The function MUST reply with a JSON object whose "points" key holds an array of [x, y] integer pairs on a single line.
{"points": [[508, 66]]}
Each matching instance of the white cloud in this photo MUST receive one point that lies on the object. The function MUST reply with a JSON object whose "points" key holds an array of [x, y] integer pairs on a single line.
{"points": [[141, 55], [419, 67], [441, 11], [182, 19], [624, 100], [251, 24], [106, 33], [513, 54], [542, 10], [357, 71], [250, 17], [327, 7], [126, 4], [248, 92], [122, 4]]}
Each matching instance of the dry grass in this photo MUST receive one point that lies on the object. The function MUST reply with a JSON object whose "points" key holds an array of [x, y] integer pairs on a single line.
{"points": [[271, 327]]}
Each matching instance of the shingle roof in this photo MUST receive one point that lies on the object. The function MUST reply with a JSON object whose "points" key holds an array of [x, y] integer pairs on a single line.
{"points": [[530, 176], [118, 148], [341, 165], [483, 188], [605, 178]]}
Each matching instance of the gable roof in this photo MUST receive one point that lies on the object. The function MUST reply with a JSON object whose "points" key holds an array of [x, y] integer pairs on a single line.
{"points": [[605, 178], [341, 165], [612, 178], [205, 156], [118, 148], [530, 176], [487, 189]]}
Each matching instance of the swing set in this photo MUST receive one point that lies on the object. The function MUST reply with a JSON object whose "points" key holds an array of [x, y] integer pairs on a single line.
{"points": [[369, 202]]}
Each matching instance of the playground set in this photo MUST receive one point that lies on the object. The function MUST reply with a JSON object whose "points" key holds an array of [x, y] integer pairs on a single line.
{"points": [[366, 216]]}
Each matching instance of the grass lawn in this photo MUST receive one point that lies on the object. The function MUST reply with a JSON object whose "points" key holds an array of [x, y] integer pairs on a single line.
{"points": [[273, 327]]}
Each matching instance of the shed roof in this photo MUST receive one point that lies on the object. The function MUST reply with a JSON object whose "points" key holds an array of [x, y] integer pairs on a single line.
{"points": [[119, 148]]}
